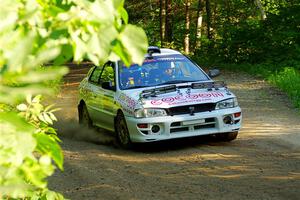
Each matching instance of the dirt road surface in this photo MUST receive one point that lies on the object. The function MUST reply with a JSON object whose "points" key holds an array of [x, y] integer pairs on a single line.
{"points": [[262, 163]]}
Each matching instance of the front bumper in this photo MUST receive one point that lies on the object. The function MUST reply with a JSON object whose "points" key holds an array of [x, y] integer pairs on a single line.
{"points": [[179, 126]]}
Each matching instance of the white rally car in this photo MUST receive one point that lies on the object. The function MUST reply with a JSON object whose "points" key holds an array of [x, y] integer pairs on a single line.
{"points": [[168, 97]]}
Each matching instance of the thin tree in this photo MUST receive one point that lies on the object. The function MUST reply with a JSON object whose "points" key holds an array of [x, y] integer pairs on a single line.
{"points": [[198, 25], [208, 18], [263, 15], [187, 27], [169, 21], [162, 18]]}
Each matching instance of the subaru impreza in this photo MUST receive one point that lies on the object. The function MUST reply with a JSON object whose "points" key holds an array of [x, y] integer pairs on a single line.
{"points": [[168, 96]]}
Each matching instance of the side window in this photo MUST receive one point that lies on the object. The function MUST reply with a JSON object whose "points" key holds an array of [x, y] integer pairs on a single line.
{"points": [[108, 74], [95, 75]]}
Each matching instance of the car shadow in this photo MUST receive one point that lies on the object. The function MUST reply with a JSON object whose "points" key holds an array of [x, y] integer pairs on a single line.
{"points": [[177, 144]]}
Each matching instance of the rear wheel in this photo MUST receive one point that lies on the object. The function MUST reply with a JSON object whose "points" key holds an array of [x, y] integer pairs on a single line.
{"points": [[227, 137], [122, 132], [84, 117]]}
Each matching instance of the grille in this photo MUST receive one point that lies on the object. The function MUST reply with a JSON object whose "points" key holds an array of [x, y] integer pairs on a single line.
{"points": [[180, 110], [174, 130], [204, 126]]}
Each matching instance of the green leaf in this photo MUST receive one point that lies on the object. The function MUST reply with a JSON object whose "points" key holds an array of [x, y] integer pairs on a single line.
{"points": [[43, 74], [54, 10], [50, 130], [79, 46], [18, 55], [46, 145], [50, 195], [65, 55], [118, 49], [47, 118], [41, 117], [17, 140], [36, 172], [52, 116], [45, 55], [47, 108], [118, 3], [16, 189], [124, 15], [103, 10], [37, 99], [18, 122], [134, 40], [22, 107], [28, 98], [11, 95]]}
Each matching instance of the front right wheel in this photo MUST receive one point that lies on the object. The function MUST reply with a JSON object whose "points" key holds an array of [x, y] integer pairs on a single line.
{"points": [[122, 132]]}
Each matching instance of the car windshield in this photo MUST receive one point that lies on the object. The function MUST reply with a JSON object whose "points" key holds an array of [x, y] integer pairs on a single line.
{"points": [[160, 70]]}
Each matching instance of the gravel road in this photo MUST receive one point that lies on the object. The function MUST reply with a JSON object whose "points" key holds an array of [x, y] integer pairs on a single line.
{"points": [[262, 163]]}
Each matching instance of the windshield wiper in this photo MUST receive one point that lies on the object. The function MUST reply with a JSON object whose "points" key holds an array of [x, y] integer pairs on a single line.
{"points": [[177, 81]]}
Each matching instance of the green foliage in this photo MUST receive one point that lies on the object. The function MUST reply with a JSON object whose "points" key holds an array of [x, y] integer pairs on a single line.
{"points": [[41, 118], [274, 40], [238, 33], [34, 33], [23, 173], [289, 81]]}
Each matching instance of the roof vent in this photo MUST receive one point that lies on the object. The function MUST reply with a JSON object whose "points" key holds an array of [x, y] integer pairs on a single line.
{"points": [[153, 49]]}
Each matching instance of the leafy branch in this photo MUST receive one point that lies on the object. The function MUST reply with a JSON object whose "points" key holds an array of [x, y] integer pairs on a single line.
{"points": [[34, 33]]}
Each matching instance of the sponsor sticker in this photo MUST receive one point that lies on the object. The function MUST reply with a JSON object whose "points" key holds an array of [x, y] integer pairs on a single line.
{"points": [[127, 101], [168, 99], [156, 102], [200, 97]]}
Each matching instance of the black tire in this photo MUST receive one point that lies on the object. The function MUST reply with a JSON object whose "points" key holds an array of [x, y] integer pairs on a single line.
{"points": [[122, 133], [84, 117], [227, 137]]}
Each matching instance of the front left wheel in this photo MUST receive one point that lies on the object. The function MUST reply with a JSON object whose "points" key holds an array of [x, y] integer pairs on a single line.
{"points": [[227, 137], [84, 117], [122, 132]]}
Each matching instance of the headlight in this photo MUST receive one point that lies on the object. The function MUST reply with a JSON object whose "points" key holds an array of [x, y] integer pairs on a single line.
{"points": [[228, 103], [149, 112]]}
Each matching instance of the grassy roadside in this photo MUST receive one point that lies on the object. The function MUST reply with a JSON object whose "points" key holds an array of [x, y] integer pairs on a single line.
{"points": [[285, 78], [288, 80]]}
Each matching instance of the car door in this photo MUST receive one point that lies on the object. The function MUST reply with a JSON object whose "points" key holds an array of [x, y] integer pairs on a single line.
{"points": [[91, 92], [104, 103]]}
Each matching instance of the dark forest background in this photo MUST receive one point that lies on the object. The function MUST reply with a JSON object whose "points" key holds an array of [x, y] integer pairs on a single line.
{"points": [[261, 37]]}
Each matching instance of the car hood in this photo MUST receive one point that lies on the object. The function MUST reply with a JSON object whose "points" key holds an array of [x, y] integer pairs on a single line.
{"points": [[181, 97]]}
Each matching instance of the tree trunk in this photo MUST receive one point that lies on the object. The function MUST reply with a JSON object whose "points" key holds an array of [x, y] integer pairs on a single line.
{"points": [[187, 27], [208, 18], [198, 25], [169, 21], [162, 17], [263, 15]]}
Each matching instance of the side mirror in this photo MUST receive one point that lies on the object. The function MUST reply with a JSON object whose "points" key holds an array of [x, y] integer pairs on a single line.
{"points": [[213, 73], [108, 86]]}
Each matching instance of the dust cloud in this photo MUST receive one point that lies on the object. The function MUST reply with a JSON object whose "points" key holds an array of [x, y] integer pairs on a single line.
{"points": [[72, 130]]}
